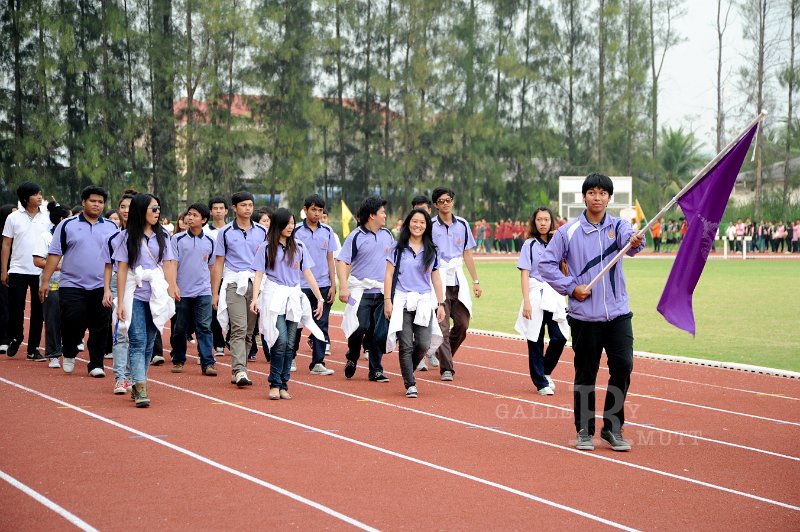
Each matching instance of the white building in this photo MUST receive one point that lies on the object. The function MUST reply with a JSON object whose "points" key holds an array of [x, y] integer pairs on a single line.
{"points": [[570, 198]]}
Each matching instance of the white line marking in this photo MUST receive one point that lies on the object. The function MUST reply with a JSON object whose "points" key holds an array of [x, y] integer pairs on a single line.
{"points": [[44, 501], [191, 454]]}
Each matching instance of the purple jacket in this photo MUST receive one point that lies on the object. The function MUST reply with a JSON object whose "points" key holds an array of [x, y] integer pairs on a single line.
{"points": [[588, 249]]}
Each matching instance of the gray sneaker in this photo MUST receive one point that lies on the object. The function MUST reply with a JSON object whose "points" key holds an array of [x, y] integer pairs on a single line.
{"points": [[433, 361], [584, 441], [447, 375], [615, 440]]}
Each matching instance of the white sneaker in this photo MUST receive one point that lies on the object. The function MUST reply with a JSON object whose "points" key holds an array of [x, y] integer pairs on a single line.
{"points": [[157, 360], [219, 351], [54, 363], [81, 347], [3, 349], [433, 361], [97, 372], [550, 382], [447, 376], [411, 392], [108, 355], [366, 355], [327, 349], [421, 366], [319, 369], [546, 391], [119, 387], [69, 365], [294, 367]]}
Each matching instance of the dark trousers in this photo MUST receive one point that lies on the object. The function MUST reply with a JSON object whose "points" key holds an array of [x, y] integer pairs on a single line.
{"points": [[192, 313], [18, 285], [254, 341], [317, 346], [370, 312], [415, 340], [453, 336], [540, 365], [52, 325], [82, 309], [4, 336], [588, 341], [216, 330], [656, 244]]}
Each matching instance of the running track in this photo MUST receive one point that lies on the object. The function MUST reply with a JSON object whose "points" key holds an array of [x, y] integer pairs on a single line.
{"points": [[713, 449]]}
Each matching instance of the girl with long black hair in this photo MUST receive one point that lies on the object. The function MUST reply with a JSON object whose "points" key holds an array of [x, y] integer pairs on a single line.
{"points": [[541, 305], [413, 295], [279, 263], [146, 287]]}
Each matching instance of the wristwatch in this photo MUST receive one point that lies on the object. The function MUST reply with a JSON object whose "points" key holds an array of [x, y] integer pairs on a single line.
{"points": [[476, 282]]}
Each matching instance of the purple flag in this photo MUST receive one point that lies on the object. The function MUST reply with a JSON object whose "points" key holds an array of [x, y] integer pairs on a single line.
{"points": [[703, 206]]}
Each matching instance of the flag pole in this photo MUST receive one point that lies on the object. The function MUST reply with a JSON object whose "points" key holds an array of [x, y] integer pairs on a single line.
{"points": [[679, 195]]}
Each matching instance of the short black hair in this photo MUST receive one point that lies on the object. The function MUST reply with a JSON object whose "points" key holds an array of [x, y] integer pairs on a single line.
{"points": [[369, 206], [314, 199], [200, 208], [419, 200], [94, 189], [596, 180], [26, 190], [241, 196], [217, 199], [57, 212], [441, 191]]}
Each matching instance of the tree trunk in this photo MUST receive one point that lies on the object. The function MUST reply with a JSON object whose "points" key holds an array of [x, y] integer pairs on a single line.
{"points": [[388, 96], [340, 98], [366, 112], [720, 112], [794, 7], [601, 84], [16, 38], [762, 17]]}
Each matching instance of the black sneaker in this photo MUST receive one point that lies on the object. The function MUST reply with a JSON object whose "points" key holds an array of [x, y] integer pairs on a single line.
{"points": [[36, 356], [584, 441], [378, 376], [349, 369], [13, 347], [615, 440]]}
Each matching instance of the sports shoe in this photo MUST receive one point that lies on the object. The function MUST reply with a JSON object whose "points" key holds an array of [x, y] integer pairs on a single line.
{"points": [[546, 391], [119, 387], [615, 440], [68, 365], [319, 369], [219, 351], [13, 347], [550, 383], [3, 349], [350, 369], [36, 356], [584, 441], [81, 347], [139, 392], [294, 367], [422, 366], [242, 380], [378, 376], [210, 371], [411, 392], [97, 373], [283, 394], [108, 355], [177, 368], [54, 363], [251, 356], [432, 360], [447, 376], [157, 360], [327, 349], [366, 354]]}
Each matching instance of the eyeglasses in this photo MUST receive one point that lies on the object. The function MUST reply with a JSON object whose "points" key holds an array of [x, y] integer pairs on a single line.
{"points": [[155, 208], [444, 201]]}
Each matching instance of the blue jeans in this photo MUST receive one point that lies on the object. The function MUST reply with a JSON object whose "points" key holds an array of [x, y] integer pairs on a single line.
{"points": [[194, 311], [122, 369], [141, 335], [282, 353]]}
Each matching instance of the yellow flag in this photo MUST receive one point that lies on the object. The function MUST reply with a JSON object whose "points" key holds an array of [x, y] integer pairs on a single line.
{"points": [[639, 212], [347, 216]]}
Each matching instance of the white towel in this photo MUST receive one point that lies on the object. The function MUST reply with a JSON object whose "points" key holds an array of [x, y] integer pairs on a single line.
{"points": [[276, 299], [357, 288], [162, 306], [228, 277], [452, 270], [542, 297], [425, 306]]}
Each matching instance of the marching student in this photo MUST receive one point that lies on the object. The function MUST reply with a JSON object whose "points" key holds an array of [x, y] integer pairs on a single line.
{"points": [[600, 318], [361, 267], [193, 250], [413, 295], [321, 245], [218, 208], [20, 233], [453, 238], [281, 262], [5, 211], [232, 282], [78, 242], [261, 216], [421, 202], [146, 289], [541, 305], [50, 310], [119, 341]]}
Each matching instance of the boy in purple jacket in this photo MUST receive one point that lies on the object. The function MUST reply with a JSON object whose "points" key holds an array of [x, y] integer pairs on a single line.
{"points": [[600, 318]]}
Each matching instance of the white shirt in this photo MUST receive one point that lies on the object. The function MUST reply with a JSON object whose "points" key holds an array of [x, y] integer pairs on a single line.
{"points": [[26, 230], [211, 231]]}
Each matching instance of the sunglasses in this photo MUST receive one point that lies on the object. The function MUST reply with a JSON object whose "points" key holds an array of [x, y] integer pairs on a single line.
{"points": [[444, 201], [156, 208]]}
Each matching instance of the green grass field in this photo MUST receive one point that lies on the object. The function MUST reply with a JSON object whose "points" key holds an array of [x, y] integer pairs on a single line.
{"points": [[745, 311]]}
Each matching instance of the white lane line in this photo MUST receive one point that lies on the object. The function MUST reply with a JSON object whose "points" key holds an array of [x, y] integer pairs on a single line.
{"points": [[652, 397], [299, 498], [44, 501], [504, 433], [331, 435]]}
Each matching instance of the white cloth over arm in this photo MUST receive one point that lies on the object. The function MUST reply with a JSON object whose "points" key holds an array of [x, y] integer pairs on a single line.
{"points": [[162, 306], [452, 270], [425, 306], [229, 277], [276, 299], [356, 287], [542, 298]]}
